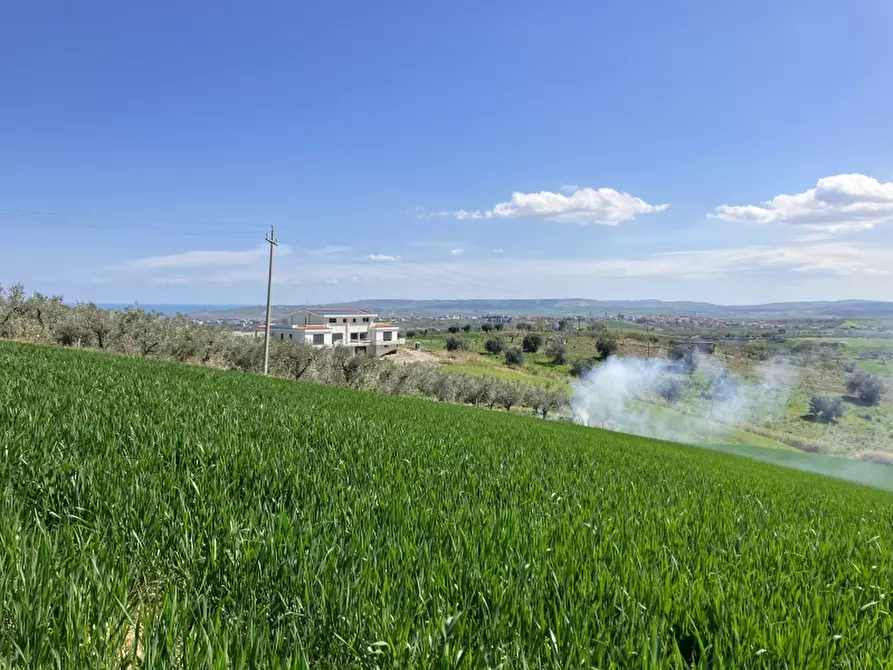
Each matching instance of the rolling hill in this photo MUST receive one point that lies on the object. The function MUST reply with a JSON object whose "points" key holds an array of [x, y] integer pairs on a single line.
{"points": [[576, 307], [164, 514]]}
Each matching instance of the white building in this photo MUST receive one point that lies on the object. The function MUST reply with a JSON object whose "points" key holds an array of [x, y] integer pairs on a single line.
{"points": [[339, 326]]}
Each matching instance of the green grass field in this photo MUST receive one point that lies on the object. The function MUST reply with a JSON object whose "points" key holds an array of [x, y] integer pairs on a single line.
{"points": [[163, 515], [851, 343]]}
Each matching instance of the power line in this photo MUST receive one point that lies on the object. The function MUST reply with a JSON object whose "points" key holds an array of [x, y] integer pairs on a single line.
{"points": [[220, 229]]}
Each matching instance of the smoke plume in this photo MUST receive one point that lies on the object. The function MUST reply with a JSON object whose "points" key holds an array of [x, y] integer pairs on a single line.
{"points": [[635, 395]]}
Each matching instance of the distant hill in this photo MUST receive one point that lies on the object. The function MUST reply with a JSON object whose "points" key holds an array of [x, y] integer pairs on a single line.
{"points": [[865, 309]]}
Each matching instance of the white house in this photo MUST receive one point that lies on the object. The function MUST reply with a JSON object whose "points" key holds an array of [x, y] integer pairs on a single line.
{"points": [[339, 326]]}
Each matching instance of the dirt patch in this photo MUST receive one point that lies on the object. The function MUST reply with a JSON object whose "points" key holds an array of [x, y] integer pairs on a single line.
{"points": [[405, 355]]}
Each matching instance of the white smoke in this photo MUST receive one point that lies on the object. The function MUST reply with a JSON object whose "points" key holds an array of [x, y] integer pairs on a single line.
{"points": [[623, 395]]}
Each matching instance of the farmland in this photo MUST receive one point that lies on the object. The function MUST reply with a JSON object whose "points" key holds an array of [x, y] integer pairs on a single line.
{"points": [[819, 365], [164, 514]]}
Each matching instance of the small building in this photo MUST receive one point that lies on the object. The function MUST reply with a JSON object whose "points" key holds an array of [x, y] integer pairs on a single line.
{"points": [[340, 326]]}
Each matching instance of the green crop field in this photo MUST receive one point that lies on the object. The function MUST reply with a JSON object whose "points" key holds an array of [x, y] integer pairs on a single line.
{"points": [[162, 515]]}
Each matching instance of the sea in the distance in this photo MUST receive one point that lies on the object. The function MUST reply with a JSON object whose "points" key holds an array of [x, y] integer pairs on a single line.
{"points": [[169, 308]]}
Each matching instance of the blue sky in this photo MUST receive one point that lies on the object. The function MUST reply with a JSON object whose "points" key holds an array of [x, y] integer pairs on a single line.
{"points": [[447, 150]]}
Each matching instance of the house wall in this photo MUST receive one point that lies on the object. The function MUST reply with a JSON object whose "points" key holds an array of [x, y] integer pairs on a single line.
{"points": [[304, 317], [359, 335]]}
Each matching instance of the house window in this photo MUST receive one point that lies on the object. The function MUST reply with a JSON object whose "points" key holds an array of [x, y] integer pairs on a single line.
{"points": [[388, 336], [291, 336], [365, 319], [345, 320], [281, 336], [337, 337], [364, 336], [333, 320], [319, 338], [354, 320], [354, 337]]}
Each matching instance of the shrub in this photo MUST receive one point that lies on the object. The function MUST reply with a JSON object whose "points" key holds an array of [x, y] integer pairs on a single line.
{"points": [[493, 345], [454, 343], [453, 329], [532, 343], [514, 356], [868, 387], [486, 327], [410, 334], [466, 328], [825, 409]]}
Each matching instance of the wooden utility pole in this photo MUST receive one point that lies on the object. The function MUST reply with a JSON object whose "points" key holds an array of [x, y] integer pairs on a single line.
{"points": [[273, 242]]}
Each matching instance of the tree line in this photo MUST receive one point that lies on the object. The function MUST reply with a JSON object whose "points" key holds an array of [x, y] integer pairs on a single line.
{"points": [[135, 331]]}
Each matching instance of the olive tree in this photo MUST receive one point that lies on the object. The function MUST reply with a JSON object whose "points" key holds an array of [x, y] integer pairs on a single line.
{"points": [[141, 332], [532, 343], [454, 343], [493, 345], [670, 390], [514, 356], [866, 386], [606, 346], [825, 409], [547, 400], [558, 352]]}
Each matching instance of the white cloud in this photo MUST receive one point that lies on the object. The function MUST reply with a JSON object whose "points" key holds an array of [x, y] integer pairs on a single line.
{"points": [[382, 258], [332, 282], [200, 259], [603, 206], [747, 274], [497, 251], [457, 252], [330, 250], [827, 259], [821, 259], [838, 204]]}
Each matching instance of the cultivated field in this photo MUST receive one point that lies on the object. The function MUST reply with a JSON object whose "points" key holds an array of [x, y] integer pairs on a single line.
{"points": [[161, 514]]}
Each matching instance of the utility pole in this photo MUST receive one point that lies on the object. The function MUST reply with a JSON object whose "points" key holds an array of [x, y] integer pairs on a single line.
{"points": [[273, 242]]}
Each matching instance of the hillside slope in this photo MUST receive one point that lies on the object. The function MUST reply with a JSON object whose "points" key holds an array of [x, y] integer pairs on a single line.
{"points": [[175, 514]]}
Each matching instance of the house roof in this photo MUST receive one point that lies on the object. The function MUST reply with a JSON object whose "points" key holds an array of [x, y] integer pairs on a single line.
{"points": [[385, 325], [338, 311], [311, 327]]}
